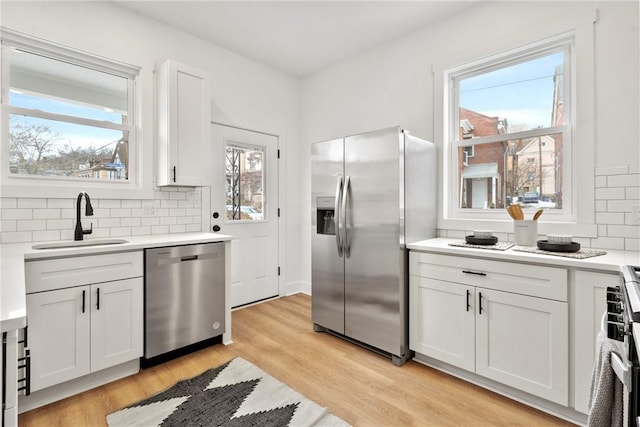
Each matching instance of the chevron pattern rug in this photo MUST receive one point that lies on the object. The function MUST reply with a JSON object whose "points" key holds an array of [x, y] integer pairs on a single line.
{"points": [[234, 394]]}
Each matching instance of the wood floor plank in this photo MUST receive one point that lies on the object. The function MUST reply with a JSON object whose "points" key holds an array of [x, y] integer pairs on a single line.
{"points": [[358, 385]]}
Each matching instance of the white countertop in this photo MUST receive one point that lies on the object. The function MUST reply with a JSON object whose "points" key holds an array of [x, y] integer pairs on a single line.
{"points": [[13, 312], [609, 262]]}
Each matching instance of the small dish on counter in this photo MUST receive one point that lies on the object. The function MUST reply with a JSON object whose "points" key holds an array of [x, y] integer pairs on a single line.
{"points": [[545, 245], [485, 240]]}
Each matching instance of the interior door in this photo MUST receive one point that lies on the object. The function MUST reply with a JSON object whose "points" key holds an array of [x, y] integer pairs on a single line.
{"points": [[244, 202]]}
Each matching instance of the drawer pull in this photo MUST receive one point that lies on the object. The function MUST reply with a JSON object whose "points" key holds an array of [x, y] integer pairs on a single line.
{"points": [[479, 302], [477, 273]]}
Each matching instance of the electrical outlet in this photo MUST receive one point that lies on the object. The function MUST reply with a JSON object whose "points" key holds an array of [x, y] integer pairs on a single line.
{"points": [[148, 209]]}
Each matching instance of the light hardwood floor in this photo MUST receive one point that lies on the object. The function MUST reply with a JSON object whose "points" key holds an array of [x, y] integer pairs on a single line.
{"points": [[360, 386]]}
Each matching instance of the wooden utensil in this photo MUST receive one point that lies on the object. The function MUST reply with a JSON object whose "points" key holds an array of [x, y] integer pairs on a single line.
{"points": [[537, 214], [518, 211], [511, 212]]}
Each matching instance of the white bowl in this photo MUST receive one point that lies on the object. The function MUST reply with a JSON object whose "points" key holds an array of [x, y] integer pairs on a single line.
{"points": [[559, 239]]}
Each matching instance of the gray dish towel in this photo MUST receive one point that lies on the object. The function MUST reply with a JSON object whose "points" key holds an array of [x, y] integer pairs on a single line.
{"points": [[606, 405]]}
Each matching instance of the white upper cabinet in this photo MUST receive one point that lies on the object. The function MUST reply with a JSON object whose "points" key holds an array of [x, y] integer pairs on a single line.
{"points": [[183, 149]]}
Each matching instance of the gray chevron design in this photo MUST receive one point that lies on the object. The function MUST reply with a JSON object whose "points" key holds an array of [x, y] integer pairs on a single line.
{"points": [[235, 394]]}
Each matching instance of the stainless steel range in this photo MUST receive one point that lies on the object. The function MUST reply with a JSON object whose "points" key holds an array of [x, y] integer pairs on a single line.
{"points": [[622, 322]]}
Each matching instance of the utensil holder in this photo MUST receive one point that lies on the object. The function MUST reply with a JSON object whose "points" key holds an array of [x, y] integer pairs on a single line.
{"points": [[525, 232]]}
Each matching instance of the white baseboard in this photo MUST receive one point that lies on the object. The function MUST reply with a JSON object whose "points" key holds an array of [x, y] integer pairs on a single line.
{"points": [[296, 288]]}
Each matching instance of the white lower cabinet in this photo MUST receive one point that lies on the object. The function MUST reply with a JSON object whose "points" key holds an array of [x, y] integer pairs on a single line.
{"points": [[83, 328], [485, 326], [590, 289], [76, 331]]}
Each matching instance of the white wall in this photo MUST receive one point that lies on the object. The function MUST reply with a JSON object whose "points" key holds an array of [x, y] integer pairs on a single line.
{"points": [[244, 93], [393, 85]]}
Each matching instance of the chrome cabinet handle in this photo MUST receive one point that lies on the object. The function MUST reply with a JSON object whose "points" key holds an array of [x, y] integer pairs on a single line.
{"points": [[336, 215], [347, 225]]}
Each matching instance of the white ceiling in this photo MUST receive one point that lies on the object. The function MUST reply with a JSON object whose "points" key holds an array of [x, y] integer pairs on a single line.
{"points": [[299, 38]]}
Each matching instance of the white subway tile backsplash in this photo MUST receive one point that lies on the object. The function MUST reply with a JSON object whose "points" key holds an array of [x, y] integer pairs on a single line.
{"points": [[634, 169], [17, 214], [609, 218], [8, 225], [601, 181], [609, 193], [32, 203], [630, 231], [120, 213], [615, 243], [8, 203], [48, 213], [16, 237], [132, 204], [31, 224], [632, 244], [108, 222], [61, 203], [178, 228], [613, 170], [108, 204], [177, 212], [45, 236], [194, 228], [602, 230], [178, 196], [633, 193], [61, 224], [130, 222], [168, 220], [140, 231], [168, 204], [631, 180], [121, 232], [620, 205], [631, 218], [148, 221]]}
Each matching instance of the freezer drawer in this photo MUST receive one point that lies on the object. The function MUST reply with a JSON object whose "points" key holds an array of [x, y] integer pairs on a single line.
{"points": [[184, 296]]}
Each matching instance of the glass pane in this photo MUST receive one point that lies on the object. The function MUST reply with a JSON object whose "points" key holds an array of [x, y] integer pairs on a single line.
{"points": [[53, 86], [525, 171], [517, 97], [51, 148], [245, 183]]}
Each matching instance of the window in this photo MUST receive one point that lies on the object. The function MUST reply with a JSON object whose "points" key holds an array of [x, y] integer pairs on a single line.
{"points": [[69, 116], [509, 126], [244, 170]]}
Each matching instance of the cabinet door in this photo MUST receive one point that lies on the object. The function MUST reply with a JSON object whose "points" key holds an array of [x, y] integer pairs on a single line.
{"points": [[184, 120], [116, 322], [441, 321], [590, 305], [522, 341], [58, 335]]}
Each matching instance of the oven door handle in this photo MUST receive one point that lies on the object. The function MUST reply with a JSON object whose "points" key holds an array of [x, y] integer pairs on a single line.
{"points": [[621, 369]]}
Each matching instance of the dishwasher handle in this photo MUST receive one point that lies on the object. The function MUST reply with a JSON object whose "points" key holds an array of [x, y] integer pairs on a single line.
{"points": [[189, 258]]}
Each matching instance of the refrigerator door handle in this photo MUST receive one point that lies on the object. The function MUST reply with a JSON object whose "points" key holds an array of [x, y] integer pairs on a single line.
{"points": [[336, 215], [346, 244]]}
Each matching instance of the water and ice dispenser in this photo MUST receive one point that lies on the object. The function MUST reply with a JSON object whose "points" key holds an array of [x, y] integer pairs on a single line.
{"points": [[325, 220]]}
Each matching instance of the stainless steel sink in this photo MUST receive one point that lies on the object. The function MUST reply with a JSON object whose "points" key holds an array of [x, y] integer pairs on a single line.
{"points": [[79, 243]]}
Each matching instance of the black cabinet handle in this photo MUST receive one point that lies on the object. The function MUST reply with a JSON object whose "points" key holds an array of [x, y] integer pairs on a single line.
{"points": [[98, 299], [174, 174], [83, 295], [479, 302], [477, 273], [468, 297]]}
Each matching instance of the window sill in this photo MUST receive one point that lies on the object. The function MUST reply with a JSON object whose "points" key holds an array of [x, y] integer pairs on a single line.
{"points": [[506, 226]]}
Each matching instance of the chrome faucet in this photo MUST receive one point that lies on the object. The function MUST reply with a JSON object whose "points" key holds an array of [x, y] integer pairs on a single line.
{"points": [[79, 233]]}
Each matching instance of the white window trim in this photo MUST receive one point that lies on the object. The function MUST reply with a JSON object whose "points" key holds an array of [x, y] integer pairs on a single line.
{"points": [[581, 222], [139, 186]]}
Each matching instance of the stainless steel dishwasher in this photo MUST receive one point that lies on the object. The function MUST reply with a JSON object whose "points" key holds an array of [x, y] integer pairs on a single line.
{"points": [[184, 296]]}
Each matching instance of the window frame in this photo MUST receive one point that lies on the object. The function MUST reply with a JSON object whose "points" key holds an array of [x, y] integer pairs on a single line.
{"points": [[453, 142], [582, 26], [264, 150], [13, 185]]}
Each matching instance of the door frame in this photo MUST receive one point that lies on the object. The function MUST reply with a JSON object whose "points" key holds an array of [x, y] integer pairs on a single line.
{"points": [[207, 220]]}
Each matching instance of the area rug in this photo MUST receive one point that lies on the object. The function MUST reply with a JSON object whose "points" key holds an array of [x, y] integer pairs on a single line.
{"points": [[234, 394]]}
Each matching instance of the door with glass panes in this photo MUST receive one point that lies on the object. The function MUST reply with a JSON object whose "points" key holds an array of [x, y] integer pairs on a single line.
{"points": [[244, 195]]}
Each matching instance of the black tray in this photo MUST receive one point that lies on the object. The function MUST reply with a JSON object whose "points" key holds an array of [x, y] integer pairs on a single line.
{"points": [[481, 240], [558, 247]]}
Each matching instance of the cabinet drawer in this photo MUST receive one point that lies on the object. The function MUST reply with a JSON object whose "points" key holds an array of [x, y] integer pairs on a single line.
{"points": [[526, 279], [46, 275]]}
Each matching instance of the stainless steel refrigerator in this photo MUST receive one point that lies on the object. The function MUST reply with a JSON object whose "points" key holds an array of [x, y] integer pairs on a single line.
{"points": [[371, 193]]}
